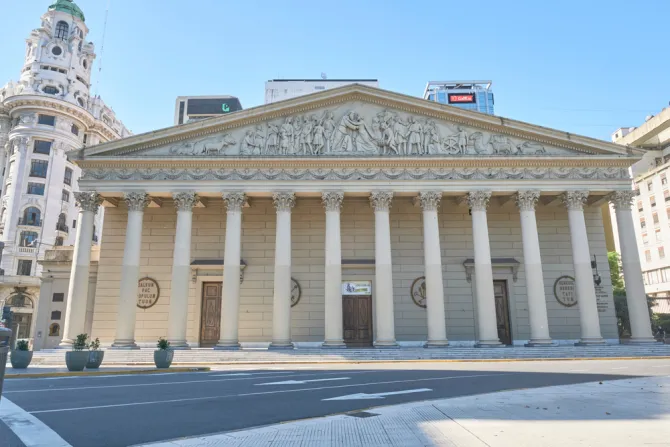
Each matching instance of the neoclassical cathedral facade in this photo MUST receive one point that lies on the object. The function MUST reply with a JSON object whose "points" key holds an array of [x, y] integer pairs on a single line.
{"points": [[352, 217]]}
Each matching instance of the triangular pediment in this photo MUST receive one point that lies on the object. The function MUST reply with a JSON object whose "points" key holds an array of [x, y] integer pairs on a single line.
{"points": [[354, 121]]}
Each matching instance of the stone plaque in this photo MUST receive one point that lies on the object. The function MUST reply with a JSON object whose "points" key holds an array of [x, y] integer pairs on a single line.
{"points": [[148, 293], [564, 291], [357, 288], [418, 291], [296, 292], [602, 299]]}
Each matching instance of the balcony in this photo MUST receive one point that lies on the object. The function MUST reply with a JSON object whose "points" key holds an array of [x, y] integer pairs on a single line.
{"points": [[27, 250], [30, 222], [62, 227]]}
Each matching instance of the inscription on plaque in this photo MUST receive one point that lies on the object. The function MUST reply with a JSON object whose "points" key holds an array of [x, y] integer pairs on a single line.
{"points": [[602, 299], [564, 291], [148, 293]]}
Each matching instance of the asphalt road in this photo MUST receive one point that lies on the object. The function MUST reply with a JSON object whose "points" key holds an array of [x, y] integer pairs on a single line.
{"points": [[126, 410]]}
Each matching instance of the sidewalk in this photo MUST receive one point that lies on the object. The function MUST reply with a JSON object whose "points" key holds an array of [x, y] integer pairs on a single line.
{"points": [[625, 413]]}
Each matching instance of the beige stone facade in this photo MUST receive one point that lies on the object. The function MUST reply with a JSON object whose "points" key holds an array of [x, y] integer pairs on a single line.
{"points": [[531, 197]]}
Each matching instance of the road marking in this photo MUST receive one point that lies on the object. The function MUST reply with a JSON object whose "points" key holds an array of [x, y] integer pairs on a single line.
{"points": [[661, 366], [377, 395], [31, 431], [195, 399], [623, 367], [578, 370], [300, 382], [247, 374], [38, 390]]}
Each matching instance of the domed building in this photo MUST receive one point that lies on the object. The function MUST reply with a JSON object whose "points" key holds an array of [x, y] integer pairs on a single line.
{"points": [[45, 115]]}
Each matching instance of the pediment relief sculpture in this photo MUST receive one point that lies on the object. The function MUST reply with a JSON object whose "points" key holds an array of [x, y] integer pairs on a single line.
{"points": [[356, 129]]}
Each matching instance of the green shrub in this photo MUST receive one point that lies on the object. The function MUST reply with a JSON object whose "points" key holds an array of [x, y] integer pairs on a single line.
{"points": [[95, 345], [80, 343], [22, 345], [163, 344]]}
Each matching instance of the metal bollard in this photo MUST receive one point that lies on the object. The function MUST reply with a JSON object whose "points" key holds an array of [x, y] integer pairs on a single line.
{"points": [[5, 338]]}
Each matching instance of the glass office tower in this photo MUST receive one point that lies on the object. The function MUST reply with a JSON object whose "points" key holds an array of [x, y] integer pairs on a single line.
{"points": [[470, 95]]}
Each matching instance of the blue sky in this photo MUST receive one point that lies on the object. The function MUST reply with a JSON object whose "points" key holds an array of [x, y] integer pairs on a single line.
{"points": [[585, 66]]}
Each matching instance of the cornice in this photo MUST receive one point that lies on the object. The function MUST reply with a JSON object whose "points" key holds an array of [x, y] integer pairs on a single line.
{"points": [[368, 95]]}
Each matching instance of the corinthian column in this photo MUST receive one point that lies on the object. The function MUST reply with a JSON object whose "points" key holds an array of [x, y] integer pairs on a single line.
{"points": [[332, 201], [77, 293], [181, 270], [381, 202], [581, 258], [636, 298], [231, 271], [437, 328], [281, 304], [486, 306], [537, 305], [130, 272]]}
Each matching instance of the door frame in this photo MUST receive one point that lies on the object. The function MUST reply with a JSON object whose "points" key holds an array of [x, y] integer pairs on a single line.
{"points": [[372, 323], [509, 314], [202, 298], [194, 331], [500, 273]]}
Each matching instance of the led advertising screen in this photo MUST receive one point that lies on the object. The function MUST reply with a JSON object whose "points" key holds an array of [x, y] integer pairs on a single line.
{"points": [[212, 106], [462, 98]]}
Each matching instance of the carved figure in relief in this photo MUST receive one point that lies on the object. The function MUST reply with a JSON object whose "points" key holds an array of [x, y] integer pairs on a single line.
{"points": [[306, 137], [249, 145], [329, 129], [352, 135], [502, 145], [476, 144], [433, 145], [286, 137], [400, 133], [319, 140], [414, 133], [388, 139], [528, 147], [462, 136], [213, 145], [272, 142]]}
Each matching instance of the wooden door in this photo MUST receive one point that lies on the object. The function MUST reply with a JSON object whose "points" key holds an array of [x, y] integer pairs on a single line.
{"points": [[502, 312], [210, 315], [357, 316]]}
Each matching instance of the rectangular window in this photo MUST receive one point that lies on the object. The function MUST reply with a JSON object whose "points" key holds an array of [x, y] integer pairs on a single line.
{"points": [[25, 267], [48, 120], [664, 179], [645, 238], [66, 197], [654, 277], [58, 297], [36, 188], [68, 176], [59, 242], [640, 208], [666, 194], [661, 252], [654, 216], [647, 255], [659, 238], [643, 224], [38, 168], [652, 200], [42, 147], [74, 223], [85, 138], [650, 186], [74, 130]]}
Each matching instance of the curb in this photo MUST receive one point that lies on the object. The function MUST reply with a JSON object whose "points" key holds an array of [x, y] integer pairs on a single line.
{"points": [[105, 373]]}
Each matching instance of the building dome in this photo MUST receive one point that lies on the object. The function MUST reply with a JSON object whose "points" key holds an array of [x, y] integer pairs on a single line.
{"points": [[68, 6]]}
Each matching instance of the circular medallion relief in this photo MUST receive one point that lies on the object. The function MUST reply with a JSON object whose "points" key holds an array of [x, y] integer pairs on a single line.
{"points": [[296, 292], [57, 51], [418, 291], [148, 293], [564, 291]]}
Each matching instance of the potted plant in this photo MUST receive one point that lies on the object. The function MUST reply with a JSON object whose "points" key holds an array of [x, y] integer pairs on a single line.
{"points": [[95, 355], [77, 359], [164, 354], [22, 355]]}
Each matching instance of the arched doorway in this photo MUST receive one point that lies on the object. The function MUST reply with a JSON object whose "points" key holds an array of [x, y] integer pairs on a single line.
{"points": [[22, 306]]}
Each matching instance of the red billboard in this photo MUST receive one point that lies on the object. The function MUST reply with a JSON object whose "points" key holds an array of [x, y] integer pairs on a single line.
{"points": [[462, 98]]}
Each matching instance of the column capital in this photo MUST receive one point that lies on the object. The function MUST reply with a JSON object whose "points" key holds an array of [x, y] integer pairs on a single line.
{"points": [[381, 200], [235, 200], [428, 200], [88, 200], [574, 200], [479, 200], [332, 200], [622, 200], [136, 201], [526, 200], [283, 201], [185, 201]]}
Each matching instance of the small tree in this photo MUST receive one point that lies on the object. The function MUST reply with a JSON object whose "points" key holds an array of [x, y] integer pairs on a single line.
{"points": [[619, 292]]}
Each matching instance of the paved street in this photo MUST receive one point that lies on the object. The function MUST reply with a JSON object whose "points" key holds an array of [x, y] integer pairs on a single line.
{"points": [[159, 407]]}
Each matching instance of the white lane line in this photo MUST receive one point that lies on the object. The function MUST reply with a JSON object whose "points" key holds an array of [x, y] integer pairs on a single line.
{"points": [[248, 374], [623, 367], [300, 382], [661, 366], [130, 385], [578, 370], [194, 399], [30, 430]]}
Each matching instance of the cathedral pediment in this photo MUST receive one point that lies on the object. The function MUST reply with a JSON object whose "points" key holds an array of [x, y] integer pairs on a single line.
{"points": [[353, 121]]}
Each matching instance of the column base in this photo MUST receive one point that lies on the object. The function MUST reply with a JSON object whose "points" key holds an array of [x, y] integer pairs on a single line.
{"points": [[335, 344], [65, 344], [391, 344], [591, 342], [179, 345], [280, 346], [641, 341], [540, 343], [489, 344], [124, 344], [436, 344], [227, 346]]}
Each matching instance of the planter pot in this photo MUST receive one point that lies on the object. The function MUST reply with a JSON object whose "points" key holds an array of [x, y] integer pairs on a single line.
{"points": [[76, 360], [163, 358], [21, 359], [95, 359]]}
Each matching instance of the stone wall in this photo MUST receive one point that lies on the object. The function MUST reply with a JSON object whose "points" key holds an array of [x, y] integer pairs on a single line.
{"points": [[308, 224]]}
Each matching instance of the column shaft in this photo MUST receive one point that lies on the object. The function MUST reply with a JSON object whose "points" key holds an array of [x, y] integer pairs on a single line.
{"points": [[77, 294], [537, 305], [334, 338], [130, 272], [636, 297], [581, 258], [381, 201], [229, 338], [281, 305]]}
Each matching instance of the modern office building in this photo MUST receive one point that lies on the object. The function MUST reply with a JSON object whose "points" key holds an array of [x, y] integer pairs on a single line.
{"points": [[469, 95], [651, 183], [192, 108], [281, 89], [45, 115]]}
